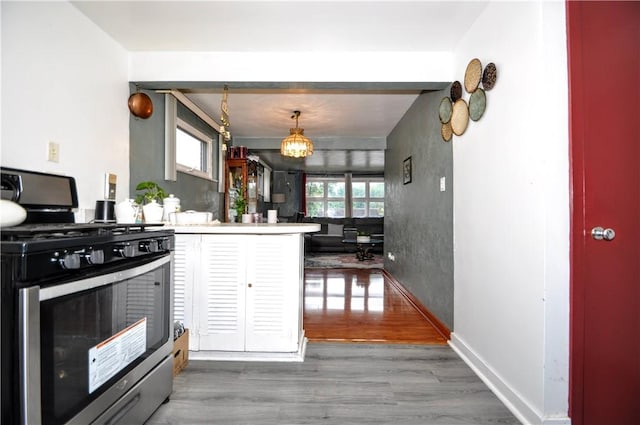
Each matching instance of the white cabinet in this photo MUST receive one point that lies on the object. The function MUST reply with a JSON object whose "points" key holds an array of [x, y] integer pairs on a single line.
{"points": [[240, 292]]}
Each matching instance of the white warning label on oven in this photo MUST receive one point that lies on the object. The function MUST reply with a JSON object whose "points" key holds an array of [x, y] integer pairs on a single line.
{"points": [[115, 353]]}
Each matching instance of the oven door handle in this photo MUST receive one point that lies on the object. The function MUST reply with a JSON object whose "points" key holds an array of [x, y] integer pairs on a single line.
{"points": [[29, 340], [102, 280]]}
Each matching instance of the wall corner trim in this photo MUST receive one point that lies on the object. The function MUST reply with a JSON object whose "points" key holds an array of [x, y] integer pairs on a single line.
{"points": [[442, 329], [520, 407]]}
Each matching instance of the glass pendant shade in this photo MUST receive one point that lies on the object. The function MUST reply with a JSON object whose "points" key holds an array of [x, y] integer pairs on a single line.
{"points": [[296, 144]]}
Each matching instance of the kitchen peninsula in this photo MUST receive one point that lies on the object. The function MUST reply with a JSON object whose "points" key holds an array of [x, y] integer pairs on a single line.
{"points": [[239, 290]]}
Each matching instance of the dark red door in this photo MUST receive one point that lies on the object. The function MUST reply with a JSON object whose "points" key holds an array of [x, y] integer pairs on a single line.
{"points": [[604, 87]]}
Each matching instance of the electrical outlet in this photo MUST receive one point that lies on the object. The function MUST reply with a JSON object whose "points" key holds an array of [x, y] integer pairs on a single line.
{"points": [[391, 256], [53, 152]]}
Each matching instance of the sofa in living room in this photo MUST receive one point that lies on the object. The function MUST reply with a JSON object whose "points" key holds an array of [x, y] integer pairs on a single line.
{"points": [[334, 230]]}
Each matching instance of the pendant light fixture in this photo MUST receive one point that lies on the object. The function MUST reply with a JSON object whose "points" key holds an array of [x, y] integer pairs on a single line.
{"points": [[296, 144]]}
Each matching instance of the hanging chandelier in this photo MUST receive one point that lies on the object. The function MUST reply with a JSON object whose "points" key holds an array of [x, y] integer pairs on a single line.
{"points": [[296, 144]]}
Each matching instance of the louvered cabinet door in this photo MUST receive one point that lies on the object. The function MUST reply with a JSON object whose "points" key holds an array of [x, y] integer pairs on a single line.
{"points": [[186, 260], [221, 291], [273, 293]]}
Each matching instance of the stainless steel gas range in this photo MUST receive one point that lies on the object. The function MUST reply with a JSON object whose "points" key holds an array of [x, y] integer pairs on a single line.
{"points": [[85, 312]]}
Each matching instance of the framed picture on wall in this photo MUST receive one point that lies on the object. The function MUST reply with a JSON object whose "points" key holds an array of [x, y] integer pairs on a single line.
{"points": [[406, 171]]}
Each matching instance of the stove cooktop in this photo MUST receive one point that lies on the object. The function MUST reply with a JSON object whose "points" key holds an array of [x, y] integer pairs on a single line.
{"points": [[69, 230]]}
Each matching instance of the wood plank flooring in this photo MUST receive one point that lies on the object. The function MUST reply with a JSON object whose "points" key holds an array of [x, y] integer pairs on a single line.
{"points": [[337, 384], [362, 305], [399, 372]]}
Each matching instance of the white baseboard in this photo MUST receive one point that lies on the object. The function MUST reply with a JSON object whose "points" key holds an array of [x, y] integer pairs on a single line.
{"points": [[512, 400], [246, 356]]}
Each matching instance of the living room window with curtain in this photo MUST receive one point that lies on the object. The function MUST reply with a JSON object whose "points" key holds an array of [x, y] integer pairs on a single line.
{"points": [[329, 197]]}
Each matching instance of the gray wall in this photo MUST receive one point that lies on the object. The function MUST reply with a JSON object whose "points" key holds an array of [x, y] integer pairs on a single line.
{"points": [[289, 183], [146, 161], [418, 223]]}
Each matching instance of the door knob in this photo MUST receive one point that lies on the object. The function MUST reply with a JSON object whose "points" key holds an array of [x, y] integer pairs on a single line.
{"points": [[598, 233]]}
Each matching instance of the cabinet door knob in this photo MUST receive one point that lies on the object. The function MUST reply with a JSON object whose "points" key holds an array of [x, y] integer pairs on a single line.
{"points": [[250, 285]]}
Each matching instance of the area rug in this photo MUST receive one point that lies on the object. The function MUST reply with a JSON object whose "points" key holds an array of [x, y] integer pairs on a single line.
{"points": [[344, 261]]}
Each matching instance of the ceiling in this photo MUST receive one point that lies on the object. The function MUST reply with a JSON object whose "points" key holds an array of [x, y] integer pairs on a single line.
{"points": [[347, 122]]}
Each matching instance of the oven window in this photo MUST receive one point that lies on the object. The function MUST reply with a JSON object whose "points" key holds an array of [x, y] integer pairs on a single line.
{"points": [[105, 331]]}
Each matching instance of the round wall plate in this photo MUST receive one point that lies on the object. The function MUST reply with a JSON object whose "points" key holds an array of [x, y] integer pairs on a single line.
{"points": [[446, 131], [459, 117], [456, 91], [444, 111], [472, 75], [477, 104], [489, 76]]}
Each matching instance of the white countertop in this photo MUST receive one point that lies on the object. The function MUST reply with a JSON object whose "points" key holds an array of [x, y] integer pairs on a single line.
{"points": [[248, 228]]}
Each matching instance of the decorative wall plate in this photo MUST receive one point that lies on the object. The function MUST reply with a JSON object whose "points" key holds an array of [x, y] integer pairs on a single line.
{"points": [[456, 91], [472, 75], [489, 76], [459, 117], [446, 131], [445, 110], [477, 104]]}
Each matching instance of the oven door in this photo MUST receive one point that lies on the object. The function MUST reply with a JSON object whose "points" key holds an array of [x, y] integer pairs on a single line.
{"points": [[86, 343]]}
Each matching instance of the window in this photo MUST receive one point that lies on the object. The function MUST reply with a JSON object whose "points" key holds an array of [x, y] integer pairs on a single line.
{"points": [[367, 197], [191, 140], [325, 197], [193, 151], [328, 197]]}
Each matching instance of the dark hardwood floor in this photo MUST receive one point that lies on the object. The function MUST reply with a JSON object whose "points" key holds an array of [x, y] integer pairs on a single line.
{"points": [[362, 305]]}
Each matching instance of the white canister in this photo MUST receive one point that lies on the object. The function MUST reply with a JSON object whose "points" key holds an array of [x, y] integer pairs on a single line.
{"points": [[272, 216], [127, 211], [171, 204], [152, 212], [247, 218]]}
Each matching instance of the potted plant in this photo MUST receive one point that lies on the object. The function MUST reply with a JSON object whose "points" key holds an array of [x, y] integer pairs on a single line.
{"points": [[363, 237], [239, 204], [150, 200], [152, 192]]}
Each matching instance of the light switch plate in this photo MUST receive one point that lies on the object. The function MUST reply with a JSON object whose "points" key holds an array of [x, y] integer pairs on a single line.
{"points": [[443, 184], [53, 152]]}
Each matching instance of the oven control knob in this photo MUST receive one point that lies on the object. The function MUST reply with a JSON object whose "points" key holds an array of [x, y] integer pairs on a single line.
{"points": [[165, 244], [125, 250], [95, 256], [70, 261], [150, 246]]}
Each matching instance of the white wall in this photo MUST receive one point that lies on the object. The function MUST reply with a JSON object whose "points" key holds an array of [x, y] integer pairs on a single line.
{"points": [[275, 66], [64, 80], [511, 211]]}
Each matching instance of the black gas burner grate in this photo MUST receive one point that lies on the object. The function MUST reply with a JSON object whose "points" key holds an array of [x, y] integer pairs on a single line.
{"points": [[54, 230], [69, 230]]}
